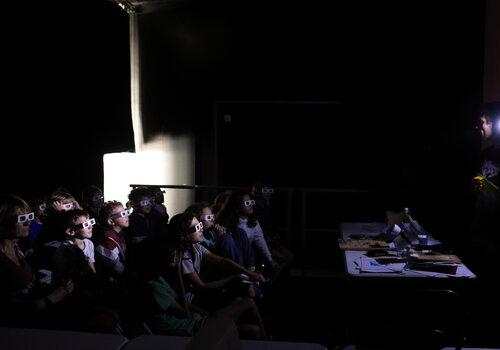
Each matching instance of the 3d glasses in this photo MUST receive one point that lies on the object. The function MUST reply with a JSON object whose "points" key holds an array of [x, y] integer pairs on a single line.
{"points": [[85, 224], [68, 206], [26, 217], [267, 190], [249, 203], [207, 217], [97, 198], [123, 214], [196, 228], [42, 207], [144, 202]]}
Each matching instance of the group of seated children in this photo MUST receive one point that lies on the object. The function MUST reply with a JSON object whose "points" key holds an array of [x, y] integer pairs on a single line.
{"points": [[67, 266]]}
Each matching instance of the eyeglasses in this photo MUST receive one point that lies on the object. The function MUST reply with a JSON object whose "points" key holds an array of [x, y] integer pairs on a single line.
{"points": [[249, 203], [97, 198], [85, 224], [67, 206], [196, 228], [26, 217], [123, 214], [207, 217], [42, 207], [267, 190], [145, 203]]}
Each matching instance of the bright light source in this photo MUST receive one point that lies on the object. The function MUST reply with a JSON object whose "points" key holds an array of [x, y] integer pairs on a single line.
{"points": [[164, 161]]}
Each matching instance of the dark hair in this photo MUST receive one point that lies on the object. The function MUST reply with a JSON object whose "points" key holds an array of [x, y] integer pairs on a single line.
{"points": [[230, 215], [8, 206], [178, 229], [139, 192], [491, 111], [89, 192], [69, 217], [196, 209], [220, 201], [107, 210]]}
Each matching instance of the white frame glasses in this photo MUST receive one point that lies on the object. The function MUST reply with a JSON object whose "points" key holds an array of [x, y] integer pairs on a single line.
{"points": [[249, 203], [268, 190], [85, 224], [42, 206], [68, 206], [196, 228], [207, 217], [145, 203], [25, 217], [122, 214]]}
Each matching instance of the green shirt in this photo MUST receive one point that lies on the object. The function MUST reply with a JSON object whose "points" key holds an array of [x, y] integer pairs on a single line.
{"points": [[163, 320]]}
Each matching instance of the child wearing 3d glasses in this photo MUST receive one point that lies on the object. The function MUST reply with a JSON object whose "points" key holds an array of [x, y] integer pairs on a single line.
{"points": [[78, 228], [110, 242]]}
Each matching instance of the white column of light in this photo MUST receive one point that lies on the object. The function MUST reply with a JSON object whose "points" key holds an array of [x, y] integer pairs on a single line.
{"points": [[165, 160], [135, 87]]}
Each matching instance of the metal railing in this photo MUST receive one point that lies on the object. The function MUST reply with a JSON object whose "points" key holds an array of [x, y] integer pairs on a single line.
{"points": [[297, 226]]}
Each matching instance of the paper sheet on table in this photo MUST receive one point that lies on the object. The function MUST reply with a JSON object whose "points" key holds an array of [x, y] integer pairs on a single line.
{"points": [[370, 265]]}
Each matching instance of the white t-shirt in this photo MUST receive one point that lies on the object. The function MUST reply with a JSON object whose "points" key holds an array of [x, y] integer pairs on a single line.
{"points": [[187, 261], [88, 249]]}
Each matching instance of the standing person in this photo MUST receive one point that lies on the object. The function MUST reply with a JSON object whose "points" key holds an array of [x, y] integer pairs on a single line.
{"points": [[485, 238]]}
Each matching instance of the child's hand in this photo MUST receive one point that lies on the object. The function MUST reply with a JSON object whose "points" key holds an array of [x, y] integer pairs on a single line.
{"points": [[57, 205], [61, 292], [220, 230], [257, 276]]}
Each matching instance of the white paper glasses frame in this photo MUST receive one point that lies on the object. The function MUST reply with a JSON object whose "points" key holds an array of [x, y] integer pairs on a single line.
{"points": [[267, 190], [145, 203], [86, 224], [197, 228], [122, 214], [67, 206], [26, 217], [42, 207], [249, 203], [207, 217]]}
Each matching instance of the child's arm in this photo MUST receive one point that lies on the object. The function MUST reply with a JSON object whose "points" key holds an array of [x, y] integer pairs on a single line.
{"points": [[199, 284], [92, 266], [232, 266]]}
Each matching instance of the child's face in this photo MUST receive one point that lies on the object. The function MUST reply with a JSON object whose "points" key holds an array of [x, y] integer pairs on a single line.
{"points": [[119, 220], [22, 228], [247, 210], [83, 232], [195, 236], [144, 205], [207, 218], [68, 204]]}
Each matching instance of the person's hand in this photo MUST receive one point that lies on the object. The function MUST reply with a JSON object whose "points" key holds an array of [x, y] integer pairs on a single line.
{"points": [[57, 205], [258, 277], [61, 292], [220, 230]]}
